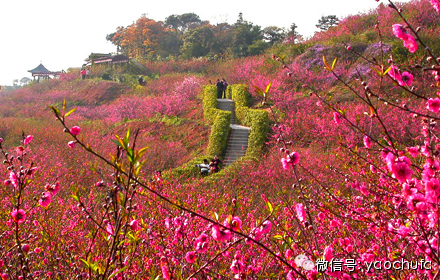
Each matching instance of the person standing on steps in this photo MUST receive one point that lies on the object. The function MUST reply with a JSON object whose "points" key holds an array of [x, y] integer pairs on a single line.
{"points": [[225, 86], [219, 86]]}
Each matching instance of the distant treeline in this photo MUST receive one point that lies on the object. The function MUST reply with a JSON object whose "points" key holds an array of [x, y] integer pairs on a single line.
{"points": [[187, 36]]}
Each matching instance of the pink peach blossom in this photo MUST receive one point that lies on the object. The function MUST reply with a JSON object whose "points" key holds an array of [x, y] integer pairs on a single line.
{"points": [[436, 5], [434, 104], [75, 130], [28, 139]]}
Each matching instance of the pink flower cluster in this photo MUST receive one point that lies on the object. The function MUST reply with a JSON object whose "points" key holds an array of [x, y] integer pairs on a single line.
{"points": [[404, 79], [408, 40]]}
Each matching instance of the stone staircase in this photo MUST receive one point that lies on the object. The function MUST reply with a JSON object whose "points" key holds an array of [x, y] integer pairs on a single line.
{"points": [[238, 138]]}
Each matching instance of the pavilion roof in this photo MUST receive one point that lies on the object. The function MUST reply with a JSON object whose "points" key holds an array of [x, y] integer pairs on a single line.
{"points": [[41, 70]]}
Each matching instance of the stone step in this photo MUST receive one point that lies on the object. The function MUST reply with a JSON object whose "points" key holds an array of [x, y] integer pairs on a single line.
{"points": [[236, 135], [240, 133]]}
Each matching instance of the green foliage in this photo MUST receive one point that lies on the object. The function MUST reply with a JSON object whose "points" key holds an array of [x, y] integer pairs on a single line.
{"points": [[218, 139], [257, 120], [240, 94], [210, 103], [219, 119], [327, 21]]}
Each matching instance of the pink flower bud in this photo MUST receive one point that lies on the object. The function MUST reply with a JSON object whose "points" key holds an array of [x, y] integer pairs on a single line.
{"points": [[75, 130], [25, 248], [71, 144]]}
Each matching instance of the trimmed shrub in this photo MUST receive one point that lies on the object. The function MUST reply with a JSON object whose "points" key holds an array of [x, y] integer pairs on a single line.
{"points": [[218, 139], [257, 120]]}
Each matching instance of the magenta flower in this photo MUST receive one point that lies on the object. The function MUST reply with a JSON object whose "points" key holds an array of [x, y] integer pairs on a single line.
{"points": [[337, 118], [135, 225], [404, 79], [367, 141], [13, 178], [53, 189], [237, 266], [407, 78], [190, 257], [71, 144], [220, 234], [293, 157], [403, 231], [235, 223], [411, 44], [434, 104], [285, 163], [165, 273], [266, 227], [290, 160], [328, 253], [301, 212], [19, 216], [401, 170], [75, 130], [408, 40], [45, 199], [413, 151], [400, 31], [28, 139], [110, 229], [436, 5], [201, 243]]}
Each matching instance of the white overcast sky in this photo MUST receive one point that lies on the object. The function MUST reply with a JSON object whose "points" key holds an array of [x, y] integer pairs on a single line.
{"points": [[61, 34]]}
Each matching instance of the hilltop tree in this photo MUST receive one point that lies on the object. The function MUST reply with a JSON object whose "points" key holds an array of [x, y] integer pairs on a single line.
{"points": [[183, 22], [327, 21], [139, 39], [244, 34], [274, 34], [197, 42], [24, 81]]}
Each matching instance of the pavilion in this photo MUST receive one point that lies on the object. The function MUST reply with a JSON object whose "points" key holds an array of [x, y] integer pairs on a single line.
{"points": [[41, 71]]}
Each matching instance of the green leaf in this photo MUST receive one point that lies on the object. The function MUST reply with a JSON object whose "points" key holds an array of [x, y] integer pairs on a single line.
{"points": [[85, 262], [278, 237], [117, 272], [386, 71], [269, 207], [258, 90], [142, 151], [268, 87], [121, 142], [334, 63], [70, 112], [55, 110], [325, 63], [127, 139]]}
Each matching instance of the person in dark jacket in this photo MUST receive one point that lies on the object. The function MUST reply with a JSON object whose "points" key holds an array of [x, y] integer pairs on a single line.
{"points": [[225, 86], [219, 86]]}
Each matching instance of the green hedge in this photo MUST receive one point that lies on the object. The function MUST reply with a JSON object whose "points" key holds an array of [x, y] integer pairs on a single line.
{"points": [[257, 120], [210, 103], [218, 139]]}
